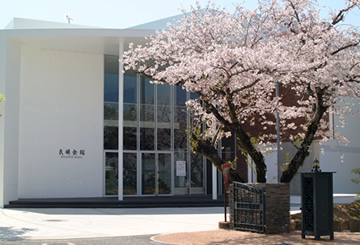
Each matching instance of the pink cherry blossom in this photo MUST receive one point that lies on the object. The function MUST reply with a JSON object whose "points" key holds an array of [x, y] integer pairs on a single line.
{"points": [[232, 61]]}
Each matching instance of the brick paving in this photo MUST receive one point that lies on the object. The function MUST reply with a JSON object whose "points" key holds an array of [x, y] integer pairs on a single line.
{"points": [[228, 237]]}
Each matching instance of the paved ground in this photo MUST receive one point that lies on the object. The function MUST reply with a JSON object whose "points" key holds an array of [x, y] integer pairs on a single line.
{"points": [[135, 227], [34, 224], [231, 237], [124, 240]]}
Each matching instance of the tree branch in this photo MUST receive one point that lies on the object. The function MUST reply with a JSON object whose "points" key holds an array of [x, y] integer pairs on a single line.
{"points": [[303, 152], [340, 16], [246, 87], [207, 150], [345, 47]]}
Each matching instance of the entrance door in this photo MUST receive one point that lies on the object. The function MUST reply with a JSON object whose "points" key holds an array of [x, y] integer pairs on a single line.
{"points": [[164, 178], [111, 173], [156, 173]]}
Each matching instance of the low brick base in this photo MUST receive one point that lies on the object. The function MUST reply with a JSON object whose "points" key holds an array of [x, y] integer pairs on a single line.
{"points": [[225, 225], [277, 207]]}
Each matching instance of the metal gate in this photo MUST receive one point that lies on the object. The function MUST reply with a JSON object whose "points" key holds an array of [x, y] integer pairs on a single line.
{"points": [[249, 207]]}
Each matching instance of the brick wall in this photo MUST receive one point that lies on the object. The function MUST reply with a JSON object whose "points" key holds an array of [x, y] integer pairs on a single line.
{"points": [[277, 207]]}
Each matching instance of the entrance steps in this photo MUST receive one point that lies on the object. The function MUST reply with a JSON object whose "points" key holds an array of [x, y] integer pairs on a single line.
{"points": [[113, 202]]}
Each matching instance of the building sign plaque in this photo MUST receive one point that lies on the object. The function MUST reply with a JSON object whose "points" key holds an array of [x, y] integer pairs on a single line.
{"points": [[72, 153]]}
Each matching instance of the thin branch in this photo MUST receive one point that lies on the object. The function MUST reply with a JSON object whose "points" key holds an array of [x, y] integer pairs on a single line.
{"points": [[340, 16], [246, 87], [295, 12], [345, 47], [291, 142], [216, 113]]}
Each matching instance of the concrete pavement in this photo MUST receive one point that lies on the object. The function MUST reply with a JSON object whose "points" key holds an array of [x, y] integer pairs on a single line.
{"points": [[51, 223], [36, 224]]}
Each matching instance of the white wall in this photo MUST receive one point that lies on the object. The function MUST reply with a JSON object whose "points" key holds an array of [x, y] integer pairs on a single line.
{"points": [[61, 108], [2, 123], [9, 122], [272, 167], [330, 160]]}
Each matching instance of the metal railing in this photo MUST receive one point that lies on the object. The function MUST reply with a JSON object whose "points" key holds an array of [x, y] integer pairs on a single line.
{"points": [[249, 207]]}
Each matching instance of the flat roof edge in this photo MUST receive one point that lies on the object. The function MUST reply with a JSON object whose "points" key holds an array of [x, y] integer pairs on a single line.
{"points": [[99, 32]]}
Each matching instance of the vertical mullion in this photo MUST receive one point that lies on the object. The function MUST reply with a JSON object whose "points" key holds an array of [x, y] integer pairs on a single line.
{"points": [[120, 123]]}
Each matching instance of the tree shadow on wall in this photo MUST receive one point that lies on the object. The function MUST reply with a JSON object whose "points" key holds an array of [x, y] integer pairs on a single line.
{"points": [[11, 234]]}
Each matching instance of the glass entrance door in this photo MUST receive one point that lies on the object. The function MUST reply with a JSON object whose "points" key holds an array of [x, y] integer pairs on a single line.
{"points": [[164, 174], [111, 173], [148, 173], [156, 173]]}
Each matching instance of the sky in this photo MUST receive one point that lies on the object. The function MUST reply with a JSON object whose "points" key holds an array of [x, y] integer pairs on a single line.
{"points": [[119, 13]]}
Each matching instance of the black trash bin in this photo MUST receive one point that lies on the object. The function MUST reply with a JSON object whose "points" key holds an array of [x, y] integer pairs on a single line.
{"points": [[317, 204]]}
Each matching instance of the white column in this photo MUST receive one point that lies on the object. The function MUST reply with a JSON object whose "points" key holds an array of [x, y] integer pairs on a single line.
{"points": [[121, 101], [214, 182]]}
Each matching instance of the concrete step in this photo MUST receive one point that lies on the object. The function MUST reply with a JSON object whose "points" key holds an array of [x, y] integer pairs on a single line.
{"points": [[113, 202]]}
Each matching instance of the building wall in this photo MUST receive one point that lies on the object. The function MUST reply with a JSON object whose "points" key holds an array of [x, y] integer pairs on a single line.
{"points": [[9, 122], [61, 108], [332, 151], [2, 123], [287, 152]]}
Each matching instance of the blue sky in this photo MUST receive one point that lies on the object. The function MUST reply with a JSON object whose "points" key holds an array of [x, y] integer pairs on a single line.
{"points": [[117, 13]]}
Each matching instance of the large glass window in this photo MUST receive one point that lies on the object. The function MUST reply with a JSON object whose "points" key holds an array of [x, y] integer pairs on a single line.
{"points": [[148, 173], [180, 119], [180, 126], [164, 174], [147, 114], [163, 117], [163, 104], [164, 139], [130, 111], [130, 174], [111, 102], [111, 136], [147, 101], [111, 173], [197, 174], [156, 156], [129, 138], [130, 98], [130, 87], [147, 139]]}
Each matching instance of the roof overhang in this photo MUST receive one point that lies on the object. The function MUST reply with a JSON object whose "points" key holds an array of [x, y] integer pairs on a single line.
{"points": [[97, 41]]}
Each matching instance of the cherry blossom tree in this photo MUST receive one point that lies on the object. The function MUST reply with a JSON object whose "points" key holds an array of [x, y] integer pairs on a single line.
{"points": [[232, 61]]}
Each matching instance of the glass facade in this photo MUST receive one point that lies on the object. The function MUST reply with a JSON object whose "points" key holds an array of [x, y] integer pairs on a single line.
{"points": [[111, 173], [155, 143], [111, 103]]}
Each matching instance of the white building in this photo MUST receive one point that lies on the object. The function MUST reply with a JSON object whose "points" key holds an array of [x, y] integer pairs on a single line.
{"points": [[59, 133]]}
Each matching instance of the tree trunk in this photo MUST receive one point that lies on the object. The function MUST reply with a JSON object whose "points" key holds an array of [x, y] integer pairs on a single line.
{"points": [[256, 155], [206, 149], [245, 143], [303, 151]]}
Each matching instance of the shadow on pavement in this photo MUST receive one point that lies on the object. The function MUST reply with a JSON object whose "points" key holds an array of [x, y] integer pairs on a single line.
{"points": [[9, 234]]}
